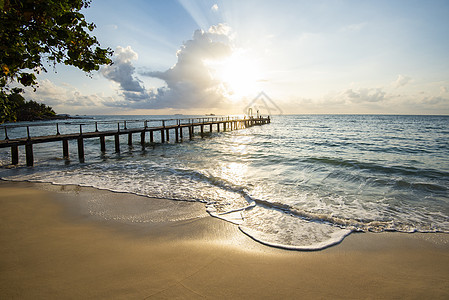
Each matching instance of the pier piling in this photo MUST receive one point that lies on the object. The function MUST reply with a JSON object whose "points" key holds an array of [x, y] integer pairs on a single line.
{"points": [[15, 155], [142, 139], [102, 144], [81, 149], [29, 154], [65, 149], [162, 136], [130, 139], [191, 132], [117, 143]]}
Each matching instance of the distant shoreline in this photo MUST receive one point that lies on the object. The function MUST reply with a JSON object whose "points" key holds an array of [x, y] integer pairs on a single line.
{"points": [[52, 118]]}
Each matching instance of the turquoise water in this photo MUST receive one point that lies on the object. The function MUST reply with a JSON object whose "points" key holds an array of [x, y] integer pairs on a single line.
{"points": [[301, 182]]}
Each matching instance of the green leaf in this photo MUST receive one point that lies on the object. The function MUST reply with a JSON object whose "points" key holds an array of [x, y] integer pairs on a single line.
{"points": [[54, 30]]}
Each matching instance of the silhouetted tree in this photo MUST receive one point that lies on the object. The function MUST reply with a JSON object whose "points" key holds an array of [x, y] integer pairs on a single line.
{"points": [[35, 31]]}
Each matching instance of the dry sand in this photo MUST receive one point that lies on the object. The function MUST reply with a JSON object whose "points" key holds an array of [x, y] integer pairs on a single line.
{"points": [[52, 249]]}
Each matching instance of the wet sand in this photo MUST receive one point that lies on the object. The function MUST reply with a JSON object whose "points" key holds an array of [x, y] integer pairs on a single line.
{"points": [[52, 248]]}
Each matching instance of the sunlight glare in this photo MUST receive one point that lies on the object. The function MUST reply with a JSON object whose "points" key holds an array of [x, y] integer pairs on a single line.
{"points": [[234, 172], [238, 75]]}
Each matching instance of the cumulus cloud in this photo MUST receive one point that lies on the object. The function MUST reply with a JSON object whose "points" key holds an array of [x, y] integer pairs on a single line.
{"points": [[364, 95], [434, 100], [123, 73], [401, 81], [190, 83], [65, 98], [64, 95], [214, 7]]}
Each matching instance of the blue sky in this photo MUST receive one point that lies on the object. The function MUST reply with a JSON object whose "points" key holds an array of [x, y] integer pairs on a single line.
{"points": [[388, 57]]}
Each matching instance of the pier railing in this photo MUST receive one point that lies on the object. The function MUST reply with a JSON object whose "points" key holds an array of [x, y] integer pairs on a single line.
{"points": [[65, 131]]}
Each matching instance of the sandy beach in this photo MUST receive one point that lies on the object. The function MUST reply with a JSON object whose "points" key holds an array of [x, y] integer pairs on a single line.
{"points": [[51, 248]]}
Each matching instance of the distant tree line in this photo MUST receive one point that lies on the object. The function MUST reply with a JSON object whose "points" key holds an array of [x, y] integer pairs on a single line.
{"points": [[18, 109]]}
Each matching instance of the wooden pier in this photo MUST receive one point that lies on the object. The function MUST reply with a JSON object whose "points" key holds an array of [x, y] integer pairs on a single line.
{"points": [[226, 123]]}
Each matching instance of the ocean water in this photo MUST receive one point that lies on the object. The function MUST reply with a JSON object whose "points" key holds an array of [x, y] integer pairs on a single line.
{"points": [[301, 182]]}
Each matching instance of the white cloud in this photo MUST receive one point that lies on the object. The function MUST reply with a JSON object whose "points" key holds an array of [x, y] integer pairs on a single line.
{"points": [[221, 31], [363, 95], [122, 72], [434, 100], [65, 98], [401, 81], [214, 7], [189, 82]]}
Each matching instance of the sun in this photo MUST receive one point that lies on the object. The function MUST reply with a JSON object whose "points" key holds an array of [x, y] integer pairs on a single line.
{"points": [[238, 75]]}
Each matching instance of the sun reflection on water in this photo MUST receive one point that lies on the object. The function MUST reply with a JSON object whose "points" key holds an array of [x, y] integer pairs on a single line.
{"points": [[234, 172]]}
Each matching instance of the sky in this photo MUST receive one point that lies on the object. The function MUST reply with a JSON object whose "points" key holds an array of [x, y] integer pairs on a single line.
{"points": [[290, 57]]}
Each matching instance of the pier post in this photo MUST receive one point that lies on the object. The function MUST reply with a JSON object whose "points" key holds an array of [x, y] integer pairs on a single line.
{"points": [[142, 138], [14, 154], [202, 130], [163, 133], [180, 131], [191, 132], [130, 139], [29, 154], [102, 144], [167, 134], [218, 126], [117, 143], [151, 137], [210, 127], [162, 136], [81, 149], [176, 135], [65, 149]]}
